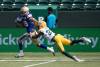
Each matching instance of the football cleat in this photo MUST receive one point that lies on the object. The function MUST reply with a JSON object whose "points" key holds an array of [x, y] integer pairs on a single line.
{"points": [[19, 55], [78, 60], [51, 50]]}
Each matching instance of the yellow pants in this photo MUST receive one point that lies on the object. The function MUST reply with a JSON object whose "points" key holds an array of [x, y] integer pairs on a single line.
{"points": [[61, 41]]}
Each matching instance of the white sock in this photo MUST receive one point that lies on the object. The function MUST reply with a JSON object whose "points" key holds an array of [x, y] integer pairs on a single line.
{"points": [[21, 51], [50, 49]]}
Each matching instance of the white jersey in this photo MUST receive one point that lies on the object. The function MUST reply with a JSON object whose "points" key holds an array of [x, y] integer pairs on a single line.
{"points": [[48, 34]]}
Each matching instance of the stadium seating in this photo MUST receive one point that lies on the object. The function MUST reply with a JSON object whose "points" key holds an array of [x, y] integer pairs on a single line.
{"points": [[77, 6], [43, 2], [17, 7], [54, 2], [62, 4], [98, 1], [18, 4], [1, 5], [91, 1], [66, 1], [79, 1], [65, 7], [0, 8], [90, 6], [8, 1], [98, 5], [1, 1], [6, 7], [20, 1], [32, 2]]}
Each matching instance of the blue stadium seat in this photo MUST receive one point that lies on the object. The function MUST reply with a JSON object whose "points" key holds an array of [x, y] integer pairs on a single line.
{"points": [[66, 1], [77, 6], [98, 1], [8, 1]]}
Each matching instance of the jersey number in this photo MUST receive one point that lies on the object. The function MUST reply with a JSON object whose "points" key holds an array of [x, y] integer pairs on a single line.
{"points": [[48, 32]]}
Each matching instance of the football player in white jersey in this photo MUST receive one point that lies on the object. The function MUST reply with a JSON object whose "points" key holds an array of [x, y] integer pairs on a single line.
{"points": [[60, 41]]}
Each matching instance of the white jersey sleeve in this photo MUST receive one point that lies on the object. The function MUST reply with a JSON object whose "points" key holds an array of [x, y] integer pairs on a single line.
{"points": [[47, 33]]}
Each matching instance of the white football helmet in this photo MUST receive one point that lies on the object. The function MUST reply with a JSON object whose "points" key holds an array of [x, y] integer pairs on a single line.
{"points": [[40, 19], [24, 10]]}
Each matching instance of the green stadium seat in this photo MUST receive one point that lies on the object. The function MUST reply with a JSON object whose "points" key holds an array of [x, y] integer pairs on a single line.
{"points": [[8, 1], [17, 7], [79, 1], [54, 1], [43, 1], [91, 1], [20, 1], [90, 6], [32, 1], [66, 1], [6, 7], [0, 8], [1, 1], [65, 7], [97, 6], [77, 6], [98, 1]]}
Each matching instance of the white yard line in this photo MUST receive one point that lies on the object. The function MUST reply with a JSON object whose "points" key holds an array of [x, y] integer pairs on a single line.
{"points": [[7, 60], [41, 63]]}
